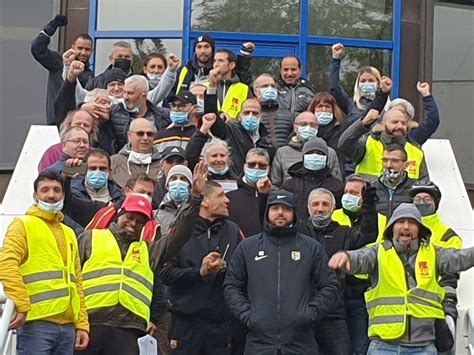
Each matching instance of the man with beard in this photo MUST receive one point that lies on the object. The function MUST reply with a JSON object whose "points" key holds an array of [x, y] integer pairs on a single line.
{"points": [[365, 149], [201, 320], [119, 270], [81, 50]]}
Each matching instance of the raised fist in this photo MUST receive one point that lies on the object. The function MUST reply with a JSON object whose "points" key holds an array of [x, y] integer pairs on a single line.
{"points": [[337, 50], [371, 117], [386, 84], [423, 88], [68, 57], [173, 61], [75, 69]]}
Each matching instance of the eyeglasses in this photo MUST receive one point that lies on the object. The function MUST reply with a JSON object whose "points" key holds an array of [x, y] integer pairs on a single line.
{"points": [[142, 133], [78, 141], [253, 165], [424, 199], [179, 107]]}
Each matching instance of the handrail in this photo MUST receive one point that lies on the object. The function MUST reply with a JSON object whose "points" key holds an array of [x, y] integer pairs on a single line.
{"points": [[470, 330], [7, 314]]}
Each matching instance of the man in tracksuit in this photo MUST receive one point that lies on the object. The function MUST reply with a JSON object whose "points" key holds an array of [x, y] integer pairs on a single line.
{"points": [[278, 283], [201, 320]]}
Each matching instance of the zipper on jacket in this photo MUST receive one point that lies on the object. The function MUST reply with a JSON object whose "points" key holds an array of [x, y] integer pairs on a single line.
{"points": [[278, 289], [209, 233], [293, 100]]}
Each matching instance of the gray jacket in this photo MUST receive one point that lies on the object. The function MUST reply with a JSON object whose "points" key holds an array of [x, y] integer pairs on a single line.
{"points": [[420, 330], [290, 154], [295, 99], [166, 214]]}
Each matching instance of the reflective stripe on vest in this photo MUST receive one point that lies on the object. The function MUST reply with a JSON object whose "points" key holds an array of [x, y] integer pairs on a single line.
{"points": [[441, 234], [109, 281], [51, 285], [371, 163], [390, 302], [182, 76], [340, 217]]}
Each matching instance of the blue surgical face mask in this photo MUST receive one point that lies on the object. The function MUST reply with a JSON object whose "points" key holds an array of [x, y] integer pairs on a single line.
{"points": [[314, 161], [217, 172], [368, 90], [50, 207], [97, 179], [324, 118], [179, 118], [351, 202], [253, 175], [250, 123], [307, 132], [269, 93], [178, 190], [200, 105], [154, 77]]}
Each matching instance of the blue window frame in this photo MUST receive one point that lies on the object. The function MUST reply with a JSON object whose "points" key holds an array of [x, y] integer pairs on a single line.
{"points": [[268, 45]]}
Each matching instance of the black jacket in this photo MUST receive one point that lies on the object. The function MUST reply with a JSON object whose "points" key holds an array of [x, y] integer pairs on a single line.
{"points": [[297, 98], [303, 181], [240, 142], [53, 62], [190, 294], [279, 125], [388, 200], [120, 119], [79, 190], [245, 208], [278, 285]]}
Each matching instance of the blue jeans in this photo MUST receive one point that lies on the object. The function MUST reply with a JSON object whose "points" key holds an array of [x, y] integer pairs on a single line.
{"points": [[378, 347], [357, 324], [45, 338]]}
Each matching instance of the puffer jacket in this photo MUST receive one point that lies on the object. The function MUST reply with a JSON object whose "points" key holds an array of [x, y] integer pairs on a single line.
{"points": [[303, 181], [166, 214], [297, 98], [278, 123], [290, 154], [278, 283], [122, 169], [15, 253], [121, 119]]}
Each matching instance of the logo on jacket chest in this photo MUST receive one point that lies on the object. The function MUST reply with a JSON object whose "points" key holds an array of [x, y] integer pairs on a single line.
{"points": [[136, 254], [425, 271], [295, 255], [261, 255]]}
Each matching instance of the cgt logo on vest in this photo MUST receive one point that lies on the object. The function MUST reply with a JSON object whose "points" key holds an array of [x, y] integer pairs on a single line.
{"points": [[411, 167], [424, 268], [136, 254], [235, 104]]}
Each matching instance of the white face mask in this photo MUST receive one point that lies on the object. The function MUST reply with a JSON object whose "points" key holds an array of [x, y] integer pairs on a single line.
{"points": [[139, 158], [149, 198], [116, 100], [50, 207]]}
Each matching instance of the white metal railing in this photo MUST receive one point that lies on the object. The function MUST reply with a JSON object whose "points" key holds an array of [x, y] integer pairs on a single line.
{"points": [[6, 336], [470, 330]]}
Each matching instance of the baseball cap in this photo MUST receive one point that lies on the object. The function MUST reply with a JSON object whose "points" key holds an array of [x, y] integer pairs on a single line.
{"points": [[171, 151], [281, 197], [185, 97], [136, 204]]}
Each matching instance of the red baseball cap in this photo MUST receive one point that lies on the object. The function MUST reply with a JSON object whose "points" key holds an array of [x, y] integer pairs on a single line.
{"points": [[137, 204]]}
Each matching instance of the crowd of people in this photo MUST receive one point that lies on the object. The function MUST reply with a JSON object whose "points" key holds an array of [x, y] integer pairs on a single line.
{"points": [[224, 211]]}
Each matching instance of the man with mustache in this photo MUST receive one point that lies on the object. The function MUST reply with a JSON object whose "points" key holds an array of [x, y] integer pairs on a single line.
{"points": [[364, 145]]}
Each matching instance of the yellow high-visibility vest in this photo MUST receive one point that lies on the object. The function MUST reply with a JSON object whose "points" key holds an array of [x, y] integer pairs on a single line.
{"points": [[233, 100], [372, 164], [108, 280], [441, 234], [51, 285], [340, 217], [390, 302], [182, 76]]}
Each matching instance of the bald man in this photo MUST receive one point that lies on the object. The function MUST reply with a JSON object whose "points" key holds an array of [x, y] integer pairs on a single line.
{"points": [[138, 155]]}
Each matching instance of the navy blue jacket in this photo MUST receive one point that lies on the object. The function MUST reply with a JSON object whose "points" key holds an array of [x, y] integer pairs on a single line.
{"points": [[278, 285], [78, 189]]}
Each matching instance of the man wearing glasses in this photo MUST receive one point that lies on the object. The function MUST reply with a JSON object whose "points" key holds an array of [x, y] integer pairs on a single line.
{"points": [[75, 145], [184, 117], [138, 156]]}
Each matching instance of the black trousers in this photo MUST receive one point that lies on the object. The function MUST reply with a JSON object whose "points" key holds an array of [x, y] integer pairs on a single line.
{"points": [[192, 337], [106, 340], [332, 337]]}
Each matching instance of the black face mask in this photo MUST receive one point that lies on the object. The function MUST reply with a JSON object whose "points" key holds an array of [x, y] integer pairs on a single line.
{"points": [[123, 64], [426, 209]]}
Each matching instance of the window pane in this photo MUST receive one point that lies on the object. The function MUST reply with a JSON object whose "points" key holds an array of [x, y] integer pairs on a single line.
{"points": [[319, 58], [369, 19], [268, 65], [140, 15], [141, 47], [259, 16]]}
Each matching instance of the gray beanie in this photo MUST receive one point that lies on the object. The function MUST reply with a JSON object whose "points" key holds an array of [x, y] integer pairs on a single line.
{"points": [[179, 170], [315, 143]]}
